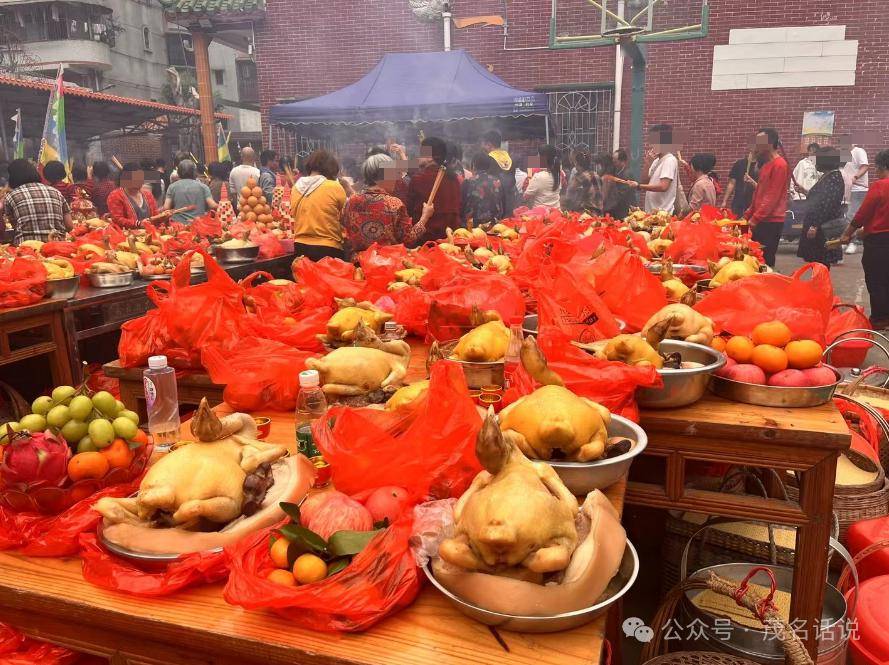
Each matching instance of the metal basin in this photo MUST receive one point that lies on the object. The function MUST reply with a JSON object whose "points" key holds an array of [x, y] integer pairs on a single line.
{"points": [[109, 280], [530, 325], [581, 478], [239, 255], [478, 374], [617, 588], [751, 393], [682, 386], [62, 288], [656, 268]]}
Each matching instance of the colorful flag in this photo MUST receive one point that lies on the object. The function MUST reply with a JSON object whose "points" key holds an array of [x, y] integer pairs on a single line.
{"points": [[54, 145], [222, 153], [19, 144]]}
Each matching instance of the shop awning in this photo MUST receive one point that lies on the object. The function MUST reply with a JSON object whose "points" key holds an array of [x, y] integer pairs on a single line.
{"points": [[88, 114], [419, 88]]}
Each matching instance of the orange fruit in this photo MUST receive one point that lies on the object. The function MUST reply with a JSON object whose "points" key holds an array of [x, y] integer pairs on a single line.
{"points": [[739, 348], [246, 191], [87, 465], [118, 454], [769, 358], [252, 201], [278, 552], [718, 343], [256, 191], [141, 438], [309, 568], [282, 577], [803, 354], [774, 333]]}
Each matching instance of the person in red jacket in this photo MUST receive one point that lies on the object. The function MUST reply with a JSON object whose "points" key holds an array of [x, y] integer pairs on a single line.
{"points": [[130, 205], [873, 220], [769, 206], [448, 201]]}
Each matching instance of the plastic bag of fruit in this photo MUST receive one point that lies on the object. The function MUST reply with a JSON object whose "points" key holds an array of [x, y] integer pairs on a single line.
{"points": [[332, 277], [388, 461], [409, 308], [802, 301], [694, 243], [630, 291], [18, 649], [22, 282]]}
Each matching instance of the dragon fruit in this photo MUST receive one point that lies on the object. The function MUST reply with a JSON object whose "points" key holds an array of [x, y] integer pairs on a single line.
{"points": [[34, 460]]}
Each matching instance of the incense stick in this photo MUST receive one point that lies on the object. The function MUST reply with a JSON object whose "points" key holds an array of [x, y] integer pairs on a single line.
{"points": [[438, 178]]}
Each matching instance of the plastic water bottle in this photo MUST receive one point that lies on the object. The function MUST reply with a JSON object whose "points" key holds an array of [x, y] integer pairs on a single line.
{"points": [[311, 404], [161, 402], [513, 357]]}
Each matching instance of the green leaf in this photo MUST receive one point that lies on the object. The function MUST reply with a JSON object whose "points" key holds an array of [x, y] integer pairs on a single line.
{"points": [[296, 549], [300, 534], [291, 510], [349, 543], [337, 565]]}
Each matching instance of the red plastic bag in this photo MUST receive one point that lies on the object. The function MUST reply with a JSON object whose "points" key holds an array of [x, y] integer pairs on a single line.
{"points": [[630, 291], [803, 301], [449, 315], [570, 303], [33, 534], [109, 572], [428, 448], [694, 243], [844, 318], [379, 263], [611, 384], [98, 380], [17, 649], [187, 319], [257, 373], [207, 226], [381, 579], [331, 277], [270, 246], [409, 308], [22, 282]]}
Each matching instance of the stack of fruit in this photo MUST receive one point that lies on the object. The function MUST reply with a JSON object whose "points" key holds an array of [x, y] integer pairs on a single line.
{"points": [[770, 356], [253, 205], [101, 432]]}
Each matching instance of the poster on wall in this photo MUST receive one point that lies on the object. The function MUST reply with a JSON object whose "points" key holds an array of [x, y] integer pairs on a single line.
{"points": [[818, 123]]}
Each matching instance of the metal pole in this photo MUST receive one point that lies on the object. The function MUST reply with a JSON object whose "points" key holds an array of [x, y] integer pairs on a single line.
{"points": [[637, 52], [618, 84], [546, 120]]}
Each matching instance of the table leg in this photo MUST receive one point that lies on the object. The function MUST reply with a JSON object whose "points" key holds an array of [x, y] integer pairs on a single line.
{"points": [[613, 632], [810, 561]]}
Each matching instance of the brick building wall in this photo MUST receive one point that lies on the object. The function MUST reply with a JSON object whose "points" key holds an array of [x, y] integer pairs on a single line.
{"points": [[313, 47]]}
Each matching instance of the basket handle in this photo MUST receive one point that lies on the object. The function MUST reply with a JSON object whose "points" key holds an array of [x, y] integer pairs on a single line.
{"points": [[867, 373], [881, 421], [841, 339], [793, 647]]}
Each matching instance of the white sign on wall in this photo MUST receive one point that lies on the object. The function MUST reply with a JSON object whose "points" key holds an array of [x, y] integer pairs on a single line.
{"points": [[791, 57]]}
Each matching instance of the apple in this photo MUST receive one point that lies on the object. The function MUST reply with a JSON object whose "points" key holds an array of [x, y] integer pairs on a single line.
{"points": [[789, 378], [729, 363], [387, 503], [820, 376], [746, 373]]}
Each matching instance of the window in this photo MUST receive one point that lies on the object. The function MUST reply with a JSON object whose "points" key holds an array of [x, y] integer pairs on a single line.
{"points": [[219, 76], [179, 50], [582, 119], [146, 38], [248, 85]]}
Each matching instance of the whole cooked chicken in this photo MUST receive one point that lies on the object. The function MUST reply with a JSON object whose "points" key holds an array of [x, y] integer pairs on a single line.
{"points": [[517, 517], [342, 325], [486, 343], [369, 366], [678, 321]]}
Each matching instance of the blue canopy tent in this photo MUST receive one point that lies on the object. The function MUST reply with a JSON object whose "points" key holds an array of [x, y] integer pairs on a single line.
{"points": [[448, 92]]}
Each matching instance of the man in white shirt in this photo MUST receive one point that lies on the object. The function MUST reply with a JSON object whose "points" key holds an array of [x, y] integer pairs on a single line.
{"points": [[241, 174], [805, 175], [855, 175], [663, 174]]}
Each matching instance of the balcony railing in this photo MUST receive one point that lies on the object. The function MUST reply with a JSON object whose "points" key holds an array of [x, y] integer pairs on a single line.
{"points": [[40, 22]]}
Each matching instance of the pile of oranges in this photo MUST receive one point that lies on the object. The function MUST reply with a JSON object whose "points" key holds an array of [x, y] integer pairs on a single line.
{"points": [[252, 204], [771, 348]]}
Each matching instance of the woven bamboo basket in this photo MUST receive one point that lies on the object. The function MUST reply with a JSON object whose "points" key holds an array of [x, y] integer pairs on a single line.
{"points": [[698, 658], [853, 503], [874, 400], [12, 405]]}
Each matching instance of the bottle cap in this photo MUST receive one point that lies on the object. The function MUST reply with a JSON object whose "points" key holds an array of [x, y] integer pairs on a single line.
{"points": [[309, 378], [390, 326], [157, 362]]}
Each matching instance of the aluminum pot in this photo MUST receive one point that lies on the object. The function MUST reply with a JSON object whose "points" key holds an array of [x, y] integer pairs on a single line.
{"points": [[617, 588], [236, 255], [102, 280], [582, 478], [477, 374], [62, 288], [759, 644], [682, 386], [752, 393]]}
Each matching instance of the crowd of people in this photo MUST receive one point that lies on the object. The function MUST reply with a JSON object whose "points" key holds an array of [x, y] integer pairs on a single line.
{"points": [[339, 206]]}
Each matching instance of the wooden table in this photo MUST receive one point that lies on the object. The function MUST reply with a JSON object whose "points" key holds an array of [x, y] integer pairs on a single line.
{"points": [[37, 330], [715, 430], [48, 599]]}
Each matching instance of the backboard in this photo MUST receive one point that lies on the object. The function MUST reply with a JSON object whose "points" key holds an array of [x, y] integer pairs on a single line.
{"points": [[584, 23]]}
